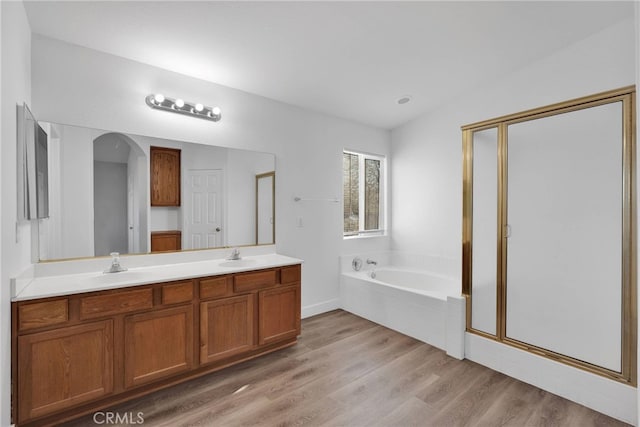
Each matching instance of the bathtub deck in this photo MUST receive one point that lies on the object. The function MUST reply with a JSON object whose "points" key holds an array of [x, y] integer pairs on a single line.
{"points": [[347, 371]]}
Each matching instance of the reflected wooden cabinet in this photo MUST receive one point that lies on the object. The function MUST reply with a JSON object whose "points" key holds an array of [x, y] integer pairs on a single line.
{"points": [[64, 367], [157, 344], [163, 241], [75, 354], [165, 176], [226, 327]]}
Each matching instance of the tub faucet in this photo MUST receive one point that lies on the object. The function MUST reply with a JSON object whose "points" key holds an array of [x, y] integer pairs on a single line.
{"points": [[370, 261], [235, 255], [115, 264]]}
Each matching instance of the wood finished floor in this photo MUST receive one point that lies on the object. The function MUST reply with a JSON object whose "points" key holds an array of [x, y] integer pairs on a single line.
{"points": [[347, 371]]}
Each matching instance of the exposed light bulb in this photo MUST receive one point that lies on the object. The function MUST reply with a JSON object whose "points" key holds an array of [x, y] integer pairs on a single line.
{"points": [[178, 105]]}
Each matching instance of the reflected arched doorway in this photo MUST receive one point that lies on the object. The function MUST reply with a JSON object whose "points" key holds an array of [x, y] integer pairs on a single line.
{"points": [[119, 182]]}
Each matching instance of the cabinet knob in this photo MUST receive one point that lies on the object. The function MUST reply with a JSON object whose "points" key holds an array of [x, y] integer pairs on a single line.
{"points": [[218, 228]]}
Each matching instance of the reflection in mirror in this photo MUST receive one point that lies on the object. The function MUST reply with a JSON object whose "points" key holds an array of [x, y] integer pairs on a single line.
{"points": [[32, 167], [100, 200], [265, 208], [26, 169], [118, 182]]}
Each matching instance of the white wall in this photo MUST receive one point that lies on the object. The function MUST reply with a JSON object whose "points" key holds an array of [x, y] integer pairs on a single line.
{"points": [[429, 150], [15, 39], [79, 86], [602, 62]]}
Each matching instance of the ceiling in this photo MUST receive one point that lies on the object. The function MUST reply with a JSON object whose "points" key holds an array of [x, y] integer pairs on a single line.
{"points": [[348, 59]]}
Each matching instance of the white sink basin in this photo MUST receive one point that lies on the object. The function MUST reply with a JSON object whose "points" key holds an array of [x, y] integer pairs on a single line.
{"points": [[240, 263]]}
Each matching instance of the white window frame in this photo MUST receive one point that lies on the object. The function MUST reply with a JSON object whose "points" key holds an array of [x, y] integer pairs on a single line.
{"points": [[382, 208]]}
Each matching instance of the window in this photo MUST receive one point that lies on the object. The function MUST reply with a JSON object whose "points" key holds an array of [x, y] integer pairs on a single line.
{"points": [[363, 192]]}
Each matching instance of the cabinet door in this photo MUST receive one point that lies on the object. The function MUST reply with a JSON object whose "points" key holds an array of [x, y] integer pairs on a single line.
{"points": [[157, 344], [279, 314], [165, 176], [162, 241], [64, 367], [226, 327]]}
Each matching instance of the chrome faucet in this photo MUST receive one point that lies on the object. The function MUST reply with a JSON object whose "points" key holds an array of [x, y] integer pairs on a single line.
{"points": [[115, 264], [372, 274], [235, 255]]}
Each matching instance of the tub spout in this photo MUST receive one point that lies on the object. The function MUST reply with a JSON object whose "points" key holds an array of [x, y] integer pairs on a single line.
{"points": [[370, 261]]}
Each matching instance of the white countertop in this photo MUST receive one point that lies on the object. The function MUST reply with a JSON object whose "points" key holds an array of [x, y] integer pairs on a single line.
{"points": [[50, 286]]}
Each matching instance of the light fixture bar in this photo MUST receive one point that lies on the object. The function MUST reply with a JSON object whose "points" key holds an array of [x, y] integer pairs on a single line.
{"points": [[160, 102]]}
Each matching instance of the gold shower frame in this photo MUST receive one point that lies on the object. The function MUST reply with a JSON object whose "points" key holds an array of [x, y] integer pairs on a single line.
{"points": [[626, 95]]}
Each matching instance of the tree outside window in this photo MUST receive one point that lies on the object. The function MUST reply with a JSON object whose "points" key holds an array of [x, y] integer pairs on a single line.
{"points": [[362, 184]]}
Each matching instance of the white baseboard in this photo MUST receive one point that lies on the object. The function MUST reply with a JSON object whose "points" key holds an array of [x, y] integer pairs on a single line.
{"points": [[322, 307], [610, 397]]}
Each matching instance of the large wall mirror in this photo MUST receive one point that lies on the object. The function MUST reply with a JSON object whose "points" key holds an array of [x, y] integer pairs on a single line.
{"points": [[100, 201], [549, 232]]}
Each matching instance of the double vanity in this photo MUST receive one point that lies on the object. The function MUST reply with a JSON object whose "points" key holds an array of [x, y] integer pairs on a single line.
{"points": [[86, 341]]}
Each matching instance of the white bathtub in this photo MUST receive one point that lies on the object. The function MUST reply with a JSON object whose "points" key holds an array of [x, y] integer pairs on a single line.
{"points": [[421, 282], [421, 304]]}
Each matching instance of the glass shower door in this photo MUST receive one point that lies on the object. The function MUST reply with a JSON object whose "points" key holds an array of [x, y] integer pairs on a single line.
{"points": [[484, 240], [563, 231]]}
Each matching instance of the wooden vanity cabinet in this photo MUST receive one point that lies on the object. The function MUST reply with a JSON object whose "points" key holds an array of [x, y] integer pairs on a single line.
{"points": [[165, 176], [279, 316], [64, 367], [76, 354], [226, 327], [157, 344]]}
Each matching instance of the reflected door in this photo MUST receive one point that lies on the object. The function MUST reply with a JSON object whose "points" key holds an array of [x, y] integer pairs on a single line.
{"points": [[265, 208], [203, 215]]}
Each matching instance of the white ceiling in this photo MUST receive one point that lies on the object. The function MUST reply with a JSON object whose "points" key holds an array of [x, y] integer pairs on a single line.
{"points": [[347, 59]]}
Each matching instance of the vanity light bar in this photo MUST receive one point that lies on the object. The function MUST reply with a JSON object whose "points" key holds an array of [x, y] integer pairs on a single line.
{"points": [[160, 102]]}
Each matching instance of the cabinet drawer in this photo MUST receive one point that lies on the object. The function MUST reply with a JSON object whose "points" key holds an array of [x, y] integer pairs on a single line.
{"points": [[253, 281], [290, 274], [214, 287], [118, 302], [177, 292], [40, 314]]}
